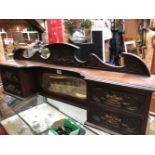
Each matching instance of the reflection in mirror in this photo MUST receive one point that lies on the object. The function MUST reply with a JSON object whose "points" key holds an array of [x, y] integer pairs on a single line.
{"points": [[130, 36], [130, 46], [135, 36], [106, 37], [28, 52], [78, 30], [65, 85], [45, 53]]}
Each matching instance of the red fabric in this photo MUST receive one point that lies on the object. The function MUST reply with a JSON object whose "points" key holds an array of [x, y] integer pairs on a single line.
{"points": [[2, 131], [55, 30]]}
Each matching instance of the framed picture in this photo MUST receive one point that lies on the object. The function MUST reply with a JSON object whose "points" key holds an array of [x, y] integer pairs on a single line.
{"points": [[130, 47]]}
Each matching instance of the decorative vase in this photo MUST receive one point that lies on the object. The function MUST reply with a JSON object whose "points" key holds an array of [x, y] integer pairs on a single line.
{"points": [[78, 37]]}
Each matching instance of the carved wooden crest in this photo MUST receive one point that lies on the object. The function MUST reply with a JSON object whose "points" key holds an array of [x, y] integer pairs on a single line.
{"points": [[65, 54]]}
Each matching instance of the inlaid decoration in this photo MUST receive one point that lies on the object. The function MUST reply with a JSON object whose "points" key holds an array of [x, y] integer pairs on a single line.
{"points": [[122, 100], [115, 121]]}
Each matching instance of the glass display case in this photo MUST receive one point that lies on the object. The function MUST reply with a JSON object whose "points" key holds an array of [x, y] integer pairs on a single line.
{"points": [[31, 117], [10, 106]]}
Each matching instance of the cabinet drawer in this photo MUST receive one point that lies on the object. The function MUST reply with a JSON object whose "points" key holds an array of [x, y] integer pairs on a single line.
{"points": [[114, 121], [12, 88], [120, 99], [10, 75]]}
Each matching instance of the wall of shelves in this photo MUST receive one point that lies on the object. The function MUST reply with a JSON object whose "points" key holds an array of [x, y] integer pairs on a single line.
{"points": [[30, 35]]}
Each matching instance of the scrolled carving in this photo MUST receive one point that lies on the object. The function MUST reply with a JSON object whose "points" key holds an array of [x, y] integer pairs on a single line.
{"points": [[94, 62], [63, 54], [66, 54], [134, 64]]}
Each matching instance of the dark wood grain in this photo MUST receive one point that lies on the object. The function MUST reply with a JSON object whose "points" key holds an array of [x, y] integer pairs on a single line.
{"points": [[66, 54], [125, 79], [117, 98]]}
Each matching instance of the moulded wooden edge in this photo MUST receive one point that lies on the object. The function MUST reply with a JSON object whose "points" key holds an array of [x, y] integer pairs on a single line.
{"points": [[20, 98], [101, 128]]}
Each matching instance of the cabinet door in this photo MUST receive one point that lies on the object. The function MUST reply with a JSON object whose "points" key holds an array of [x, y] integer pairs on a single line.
{"points": [[20, 82]]}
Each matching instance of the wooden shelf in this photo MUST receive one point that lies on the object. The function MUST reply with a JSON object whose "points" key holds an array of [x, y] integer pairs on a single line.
{"points": [[29, 32]]}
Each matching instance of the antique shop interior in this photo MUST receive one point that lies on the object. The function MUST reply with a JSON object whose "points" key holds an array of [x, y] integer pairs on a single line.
{"points": [[77, 77]]}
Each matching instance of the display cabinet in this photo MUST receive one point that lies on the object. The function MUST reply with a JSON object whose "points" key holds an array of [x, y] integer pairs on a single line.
{"points": [[117, 98]]}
